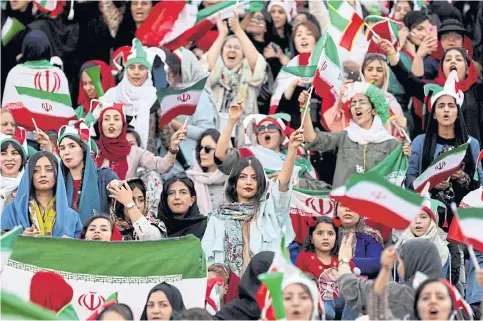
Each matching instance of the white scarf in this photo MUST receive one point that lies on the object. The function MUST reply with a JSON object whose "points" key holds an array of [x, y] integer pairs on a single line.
{"points": [[139, 101], [376, 134], [434, 234], [7, 186], [202, 181]]}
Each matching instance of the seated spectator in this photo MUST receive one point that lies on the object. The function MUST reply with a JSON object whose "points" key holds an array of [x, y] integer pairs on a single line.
{"points": [[100, 227], [117, 311], [178, 208], [41, 206], [208, 179], [164, 301], [128, 211], [7, 123]]}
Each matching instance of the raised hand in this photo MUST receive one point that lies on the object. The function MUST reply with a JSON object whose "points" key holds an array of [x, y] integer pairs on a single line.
{"points": [[178, 137], [236, 111], [388, 257], [296, 139], [221, 26], [234, 23]]}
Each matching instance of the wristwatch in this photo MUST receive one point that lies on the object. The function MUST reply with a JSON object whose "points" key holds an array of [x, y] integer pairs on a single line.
{"points": [[343, 261], [130, 205], [173, 151]]}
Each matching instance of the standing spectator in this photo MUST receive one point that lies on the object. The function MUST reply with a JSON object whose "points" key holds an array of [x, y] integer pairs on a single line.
{"points": [[281, 12], [401, 9]]}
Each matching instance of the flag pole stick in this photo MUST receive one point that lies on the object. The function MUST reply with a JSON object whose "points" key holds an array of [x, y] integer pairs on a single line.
{"points": [[186, 122], [306, 107], [402, 131], [35, 124], [373, 32], [473, 257]]}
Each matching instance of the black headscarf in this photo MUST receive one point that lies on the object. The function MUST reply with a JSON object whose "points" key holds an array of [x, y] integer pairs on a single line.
{"points": [[36, 46], [192, 223], [173, 295], [246, 307], [420, 255]]}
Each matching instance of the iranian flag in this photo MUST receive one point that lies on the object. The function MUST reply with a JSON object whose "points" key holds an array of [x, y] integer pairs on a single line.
{"points": [[96, 270], [373, 197], [175, 102], [441, 168], [345, 23], [466, 227], [15, 308], [327, 77], [206, 20], [10, 27], [308, 71], [7, 242], [394, 167], [385, 28], [41, 91], [306, 204]]}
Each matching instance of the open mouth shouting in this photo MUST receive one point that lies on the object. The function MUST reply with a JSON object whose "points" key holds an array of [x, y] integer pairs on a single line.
{"points": [[231, 56], [433, 313], [111, 130], [267, 138], [97, 237], [304, 44]]}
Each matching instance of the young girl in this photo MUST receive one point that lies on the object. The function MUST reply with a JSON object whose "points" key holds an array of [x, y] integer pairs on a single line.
{"points": [[320, 260]]}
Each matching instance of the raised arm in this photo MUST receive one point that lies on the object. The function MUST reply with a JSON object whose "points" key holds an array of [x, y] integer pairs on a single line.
{"points": [[428, 45], [309, 132], [215, 49], [378, 303], [235, 112], [249, 50], [285, 175]]}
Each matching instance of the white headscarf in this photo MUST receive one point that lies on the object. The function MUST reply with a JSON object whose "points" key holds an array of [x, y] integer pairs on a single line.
{"points": [[376, 134], [7, 186]]}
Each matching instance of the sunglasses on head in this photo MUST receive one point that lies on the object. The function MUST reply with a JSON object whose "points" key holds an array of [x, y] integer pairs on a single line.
{"points": [[271, 128], [207, 149], [377, 55]]}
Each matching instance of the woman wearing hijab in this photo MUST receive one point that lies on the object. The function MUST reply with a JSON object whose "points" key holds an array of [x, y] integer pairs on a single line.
{"points": [[417, 255], [453, 59], [162, 303], [137, 93], [88, 90], [208, 179], [236, 68], [13, 158], [281, 13], [365, 142], [124, 159], [300, 296], [86, 185], [245, 307], [185, 71], [41, 205], [129, 212], [178, 208]]}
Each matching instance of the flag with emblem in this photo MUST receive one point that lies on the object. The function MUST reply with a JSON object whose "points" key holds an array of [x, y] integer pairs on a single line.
{"points": [[379, 200], [345, 23], [132, 270], [7, 242], [41, 91], [175, 102], [442, 167], [394, 167]]}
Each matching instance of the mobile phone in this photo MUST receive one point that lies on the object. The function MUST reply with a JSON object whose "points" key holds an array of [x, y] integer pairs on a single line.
{"points": [[432, 31], [354, 76]]}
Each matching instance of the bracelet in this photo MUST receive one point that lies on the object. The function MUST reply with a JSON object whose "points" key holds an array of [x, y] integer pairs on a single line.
{"points": [[392, 53], [304, 109], [173, 151]]}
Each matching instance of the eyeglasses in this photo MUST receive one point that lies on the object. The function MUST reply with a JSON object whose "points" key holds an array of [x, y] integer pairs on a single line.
{"points": [[231, 47], [258, 18], [360, 103], [207, 149], [271, 128]]}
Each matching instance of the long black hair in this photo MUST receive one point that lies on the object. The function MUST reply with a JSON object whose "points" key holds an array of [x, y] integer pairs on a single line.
{"points": [[420, 289], [309, 246], [431, 137], [19, 150], [65, 170], [92, 219], [33, 162], [230, 191], [133, 184], [213, 133], [172, 294]]}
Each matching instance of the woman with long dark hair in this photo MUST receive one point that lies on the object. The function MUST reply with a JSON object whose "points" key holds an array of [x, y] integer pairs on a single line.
{"points": [[41, 205], [129, 212], [178, 208], [86, 185]]}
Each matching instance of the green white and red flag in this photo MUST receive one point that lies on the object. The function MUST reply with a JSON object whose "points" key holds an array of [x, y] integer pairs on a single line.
{"points": [[394, 167], [379, 200], [345, 23], [466, 227], [10, 27], [478, 161], [441, 168], [38, 90], [206, 20], [385, 28], [327, 80], [175, 102], [7, 243], [308, 71], [13, 307]]}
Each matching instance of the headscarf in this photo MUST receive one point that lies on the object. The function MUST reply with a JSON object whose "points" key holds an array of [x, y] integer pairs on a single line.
{"points": [[173, 295], [36, 46], [246, 307], [362, 228], [471, 76], [115, 150], [192, 223], [107, 81], [420, 255], [49, 290]]}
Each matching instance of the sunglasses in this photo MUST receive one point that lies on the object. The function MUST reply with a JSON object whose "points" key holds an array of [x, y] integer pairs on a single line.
{"points": [[207, 149], [377, 55], [271, 128]]}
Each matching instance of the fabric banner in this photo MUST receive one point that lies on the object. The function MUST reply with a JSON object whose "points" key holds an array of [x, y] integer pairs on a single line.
{"points": [[467, 226], [14, 308], [304, 206], [7, 242], [394, 167], [96, 269]]}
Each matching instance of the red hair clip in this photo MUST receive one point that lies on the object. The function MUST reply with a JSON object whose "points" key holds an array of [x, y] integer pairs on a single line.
{"points": [[313, 222], [337, 221]]}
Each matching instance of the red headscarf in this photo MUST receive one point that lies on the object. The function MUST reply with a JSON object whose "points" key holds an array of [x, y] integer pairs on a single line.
{"points": [[50, 290], [115, 150], [465, 84], [107, 83]]}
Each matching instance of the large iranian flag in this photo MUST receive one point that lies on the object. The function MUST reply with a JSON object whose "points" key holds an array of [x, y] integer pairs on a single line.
{"points": [[14, 308], [394, 167], [175, 102], [95, 270], [379, 200], [441, 168], [206, 20], [10, 27], [7, 242], [345, 23], [38, 90], [467, 227]]}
